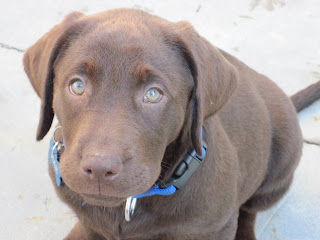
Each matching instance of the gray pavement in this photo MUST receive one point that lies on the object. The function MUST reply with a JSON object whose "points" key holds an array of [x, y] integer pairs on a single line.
{"points": [[278, 38]]}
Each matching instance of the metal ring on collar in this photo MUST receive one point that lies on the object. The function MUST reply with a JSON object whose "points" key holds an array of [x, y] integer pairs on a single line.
{"points": [[130, 207], [54, 133]]}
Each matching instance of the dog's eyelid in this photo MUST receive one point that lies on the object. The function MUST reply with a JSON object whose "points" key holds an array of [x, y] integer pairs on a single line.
{"points": [[75, 77]]}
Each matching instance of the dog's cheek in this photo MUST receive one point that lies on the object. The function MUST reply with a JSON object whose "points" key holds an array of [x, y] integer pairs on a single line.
{"points": [[172, 121], [154, 159], [70, 174], [141, 177], [68, 111]]}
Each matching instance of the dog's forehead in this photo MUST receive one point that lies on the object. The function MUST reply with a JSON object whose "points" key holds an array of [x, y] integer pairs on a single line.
{"points": [[122, 50], [125, 42]]}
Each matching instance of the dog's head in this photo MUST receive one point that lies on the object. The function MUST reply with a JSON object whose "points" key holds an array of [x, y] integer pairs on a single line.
{"points": [[131, 92]]}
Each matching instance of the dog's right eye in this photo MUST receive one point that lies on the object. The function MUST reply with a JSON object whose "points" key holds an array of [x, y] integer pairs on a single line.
{"points": [[152, 96], [77, 87]]}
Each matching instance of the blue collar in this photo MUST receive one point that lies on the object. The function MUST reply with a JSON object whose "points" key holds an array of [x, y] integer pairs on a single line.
{"points": [[188, 165], [54, 160]]}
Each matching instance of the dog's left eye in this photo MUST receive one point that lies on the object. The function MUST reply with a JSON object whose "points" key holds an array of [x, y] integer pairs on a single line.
{"points": [[152, 96], [77, 87]]}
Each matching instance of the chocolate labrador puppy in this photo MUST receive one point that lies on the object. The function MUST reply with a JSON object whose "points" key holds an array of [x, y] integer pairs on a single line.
{"points": [[149, 108]]}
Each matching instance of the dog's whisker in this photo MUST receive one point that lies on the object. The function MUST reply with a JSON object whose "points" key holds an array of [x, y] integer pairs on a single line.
{"points": [[165, 163]]}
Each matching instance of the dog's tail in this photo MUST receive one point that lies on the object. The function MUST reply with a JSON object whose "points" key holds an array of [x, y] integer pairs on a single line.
{"points": [[306, 97]]}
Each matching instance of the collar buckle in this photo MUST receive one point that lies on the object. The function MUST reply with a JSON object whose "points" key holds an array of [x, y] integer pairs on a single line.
{"points": [[186, 168]]}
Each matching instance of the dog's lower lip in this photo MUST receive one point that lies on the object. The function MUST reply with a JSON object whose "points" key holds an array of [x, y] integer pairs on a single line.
{"points": [[103, 200]]}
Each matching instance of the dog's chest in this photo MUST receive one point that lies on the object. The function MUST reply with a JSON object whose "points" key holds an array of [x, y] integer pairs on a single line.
{"points": [[112, 225], [144, 226]]}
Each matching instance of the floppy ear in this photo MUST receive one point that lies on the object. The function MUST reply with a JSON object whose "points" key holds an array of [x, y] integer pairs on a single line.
{"points": [[39, 65], [215, 78]]}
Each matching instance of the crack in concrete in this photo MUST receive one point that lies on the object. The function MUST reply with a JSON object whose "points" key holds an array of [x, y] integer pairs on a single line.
{"points": [[11, 47], [199, 7], [311, 142]]}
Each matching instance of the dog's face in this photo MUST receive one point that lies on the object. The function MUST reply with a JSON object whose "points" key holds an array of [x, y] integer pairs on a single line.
{"points": [[124, 87], [120, 102]]}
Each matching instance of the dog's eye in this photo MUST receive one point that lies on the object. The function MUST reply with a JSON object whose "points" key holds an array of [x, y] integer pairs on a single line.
{"points": [[77, 87], [152, 96]]}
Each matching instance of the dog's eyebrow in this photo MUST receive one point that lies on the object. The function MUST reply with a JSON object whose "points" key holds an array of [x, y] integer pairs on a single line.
{"points": [[90, 69], [144, 73], [85, 68], [148, 75]]}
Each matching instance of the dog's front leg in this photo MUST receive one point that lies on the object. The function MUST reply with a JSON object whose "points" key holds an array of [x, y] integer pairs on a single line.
{"points": [[78, 232], [246, 223]]}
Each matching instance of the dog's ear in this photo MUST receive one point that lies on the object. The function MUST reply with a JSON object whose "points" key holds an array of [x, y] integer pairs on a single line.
{"points": [[215, 78], [39, 63]]}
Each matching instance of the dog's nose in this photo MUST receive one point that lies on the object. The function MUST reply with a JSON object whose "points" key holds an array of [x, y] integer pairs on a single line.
{"points": [[102, 167]]}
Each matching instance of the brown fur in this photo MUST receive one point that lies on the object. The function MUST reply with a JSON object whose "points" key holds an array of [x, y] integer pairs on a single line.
{"points": [[306, 97], [116, 145]]}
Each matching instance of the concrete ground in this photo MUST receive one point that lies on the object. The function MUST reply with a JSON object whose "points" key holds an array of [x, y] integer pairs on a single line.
{"points": [[278, 38]]}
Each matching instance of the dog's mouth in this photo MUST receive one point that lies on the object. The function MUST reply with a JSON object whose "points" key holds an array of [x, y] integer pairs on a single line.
{"points": [[104, 201]]}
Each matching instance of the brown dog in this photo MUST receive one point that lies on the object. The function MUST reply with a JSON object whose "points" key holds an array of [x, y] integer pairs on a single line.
{"points": [[132, 92]]}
